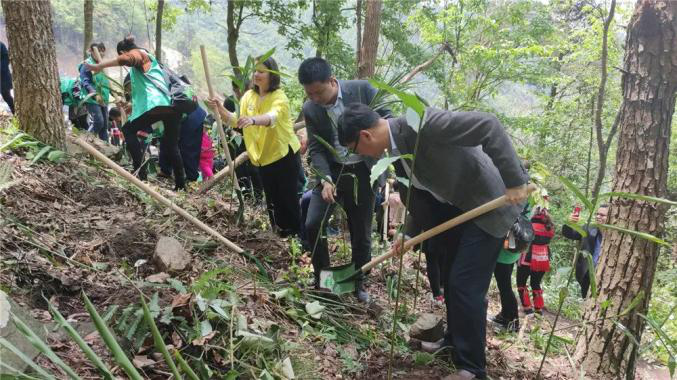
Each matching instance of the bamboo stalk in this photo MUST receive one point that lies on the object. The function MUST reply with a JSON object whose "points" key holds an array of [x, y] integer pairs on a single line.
{"points": [[154, 194], [219, 122], [223, 173], [386, 217]]}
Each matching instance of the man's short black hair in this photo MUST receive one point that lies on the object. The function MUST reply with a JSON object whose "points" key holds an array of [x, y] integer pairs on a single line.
{"points": [[313, 70], [114, 112], [356, 117]]}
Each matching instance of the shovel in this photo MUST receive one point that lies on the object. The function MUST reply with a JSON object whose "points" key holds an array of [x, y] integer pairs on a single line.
{"points": [[341, 279]]}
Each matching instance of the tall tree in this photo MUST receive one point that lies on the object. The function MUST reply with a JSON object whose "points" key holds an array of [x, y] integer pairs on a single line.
{"points": [[602, 144], [627, 264], [235, 16], [158, 30], [89, 30], [358, 39], [369, 46], [36, 77]]}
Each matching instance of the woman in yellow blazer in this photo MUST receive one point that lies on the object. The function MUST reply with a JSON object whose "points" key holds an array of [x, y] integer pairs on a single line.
{"points": [[271, 143]]}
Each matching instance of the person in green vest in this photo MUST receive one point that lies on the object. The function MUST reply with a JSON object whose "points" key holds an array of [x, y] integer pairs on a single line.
{"points": [[150, 103], [97, 92], [508, 317], [71, 97]]}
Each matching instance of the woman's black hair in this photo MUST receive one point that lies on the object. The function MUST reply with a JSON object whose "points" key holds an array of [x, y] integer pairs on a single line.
{"points": [[99, 45], [271, 65], [126, 45]]}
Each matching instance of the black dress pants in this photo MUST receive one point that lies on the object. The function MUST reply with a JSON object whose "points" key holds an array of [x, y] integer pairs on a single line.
{"points": [[360, 211], [468, 281], [280, 185]]}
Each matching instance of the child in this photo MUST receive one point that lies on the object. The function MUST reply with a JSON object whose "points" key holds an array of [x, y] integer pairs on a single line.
{"points": [[206, 156], [114, 116]]}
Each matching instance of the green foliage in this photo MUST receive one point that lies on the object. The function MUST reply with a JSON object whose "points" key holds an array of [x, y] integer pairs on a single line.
{"points": [[33, 149]]}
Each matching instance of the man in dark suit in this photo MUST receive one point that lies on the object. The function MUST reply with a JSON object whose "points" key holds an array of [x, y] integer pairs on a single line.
{"points": [[465, 159], [337, 170]]}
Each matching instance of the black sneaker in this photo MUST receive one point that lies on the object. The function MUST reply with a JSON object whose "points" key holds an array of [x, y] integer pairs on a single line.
{"points": [[505, 324], [437, 347]]}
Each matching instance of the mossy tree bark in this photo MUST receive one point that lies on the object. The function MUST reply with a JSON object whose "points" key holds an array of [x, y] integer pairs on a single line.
{"points": [[32, 53]]}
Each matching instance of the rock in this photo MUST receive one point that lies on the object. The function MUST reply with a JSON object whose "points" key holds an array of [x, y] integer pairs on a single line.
{"points": [[158, 278], [170, 255], [428, 327], [9, 331]]}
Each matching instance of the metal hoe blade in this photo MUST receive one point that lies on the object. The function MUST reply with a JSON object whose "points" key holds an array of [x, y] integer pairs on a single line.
{"points": [[336, 279]]}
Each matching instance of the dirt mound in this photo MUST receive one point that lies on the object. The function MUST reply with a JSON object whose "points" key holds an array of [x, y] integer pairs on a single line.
{"points": [[133, 242]]}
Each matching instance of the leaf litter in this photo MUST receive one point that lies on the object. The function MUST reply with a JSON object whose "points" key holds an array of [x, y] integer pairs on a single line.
{"points": [[73, 227]]}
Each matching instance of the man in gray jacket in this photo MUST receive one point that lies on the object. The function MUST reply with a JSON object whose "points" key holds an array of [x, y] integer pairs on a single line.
{"points": [[336, 168], [465, 159]]}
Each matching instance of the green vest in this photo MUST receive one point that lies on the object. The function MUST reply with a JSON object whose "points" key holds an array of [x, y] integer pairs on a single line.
{"points": [[66, 86], [145, 93], [101, 84], [507, 257]]}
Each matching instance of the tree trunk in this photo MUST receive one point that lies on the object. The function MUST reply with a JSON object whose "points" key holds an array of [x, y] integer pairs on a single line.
{"points": [[372, 24], [233, 23], [358, 39], [36, 77], [627, 264], [89, 30], [158, 30]]}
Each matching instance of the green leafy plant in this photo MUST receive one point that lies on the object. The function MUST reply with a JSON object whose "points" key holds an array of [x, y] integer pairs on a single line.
{"points": [[33, 149]]}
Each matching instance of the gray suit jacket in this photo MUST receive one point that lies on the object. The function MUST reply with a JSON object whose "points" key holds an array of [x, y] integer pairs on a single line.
{"points": [[466, 158], [319, 124]]}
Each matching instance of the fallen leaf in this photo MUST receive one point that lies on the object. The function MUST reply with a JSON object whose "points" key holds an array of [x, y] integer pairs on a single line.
{"points": [[91, 337], [181, 300], [158, 278], [176, 339], [314, 309], [141, 361], [202, 340]]}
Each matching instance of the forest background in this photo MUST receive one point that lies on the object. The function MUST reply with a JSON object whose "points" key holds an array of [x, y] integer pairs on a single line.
{"points": [[535, 64]]}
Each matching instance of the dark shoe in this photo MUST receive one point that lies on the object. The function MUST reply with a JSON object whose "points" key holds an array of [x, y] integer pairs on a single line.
{"points": [[505, 324], [435, 347], [460, 375], [142, 174], [179, 186], [162, 174], [360, 292], [362, 295]]}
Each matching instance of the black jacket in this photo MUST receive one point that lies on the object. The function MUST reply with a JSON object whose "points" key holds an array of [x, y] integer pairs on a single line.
{"points": [[587, 244]]}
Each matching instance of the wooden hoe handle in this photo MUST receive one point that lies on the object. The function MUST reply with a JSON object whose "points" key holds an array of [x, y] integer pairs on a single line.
{"points": [[477, 211], [157, 196]]}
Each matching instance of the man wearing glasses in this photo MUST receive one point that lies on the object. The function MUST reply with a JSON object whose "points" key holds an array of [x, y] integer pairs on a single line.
{"points": [[591, 243], [344, 176], [463, 160]]}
